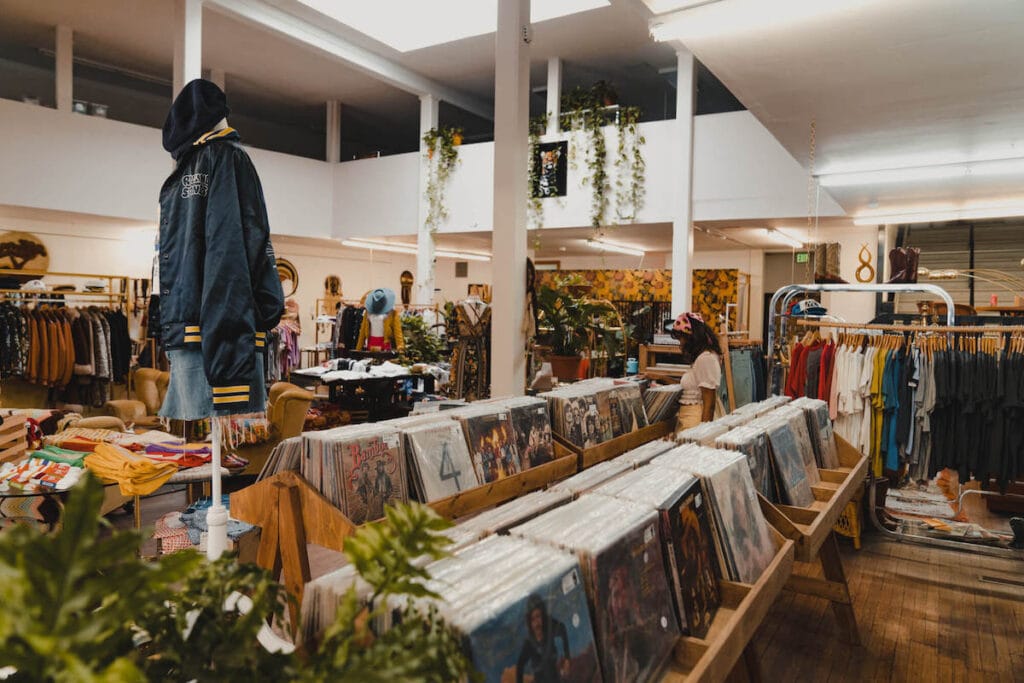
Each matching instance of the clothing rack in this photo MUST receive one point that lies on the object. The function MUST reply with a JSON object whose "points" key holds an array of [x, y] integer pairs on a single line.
{"points": [[50, 296], [964, 329]]}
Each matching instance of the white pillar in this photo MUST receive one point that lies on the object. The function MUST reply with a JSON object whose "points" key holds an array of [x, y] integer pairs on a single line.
{"points": [[217, 77], [188, 42], [333, 138], [682, 222], [65, 68], [511, 121], [554, 108], [425, 240]]}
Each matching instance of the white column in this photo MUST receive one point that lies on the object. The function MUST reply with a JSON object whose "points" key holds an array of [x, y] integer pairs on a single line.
{"points": [[333, 138], [682, 222], [65, 68], [511, 120], [554, 108], [425, 241], [217, 77], [188, 42]]}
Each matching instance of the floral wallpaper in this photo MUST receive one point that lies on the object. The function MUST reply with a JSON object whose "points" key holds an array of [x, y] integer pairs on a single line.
{"points": [[617, 285], [712, 290]]}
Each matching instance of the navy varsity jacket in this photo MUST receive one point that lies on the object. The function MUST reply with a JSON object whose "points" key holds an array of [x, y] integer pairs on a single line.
{"points": [[219, 288]]}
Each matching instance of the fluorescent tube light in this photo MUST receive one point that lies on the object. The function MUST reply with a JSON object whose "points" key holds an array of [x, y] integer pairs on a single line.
{"points": [[940, 216], [783, 238], [910, 174], [403, 248], [611, 246]]}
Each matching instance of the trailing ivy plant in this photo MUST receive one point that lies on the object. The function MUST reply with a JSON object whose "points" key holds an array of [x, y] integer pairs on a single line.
{"points": [[441, 158], [535, 208], [630, 166]]}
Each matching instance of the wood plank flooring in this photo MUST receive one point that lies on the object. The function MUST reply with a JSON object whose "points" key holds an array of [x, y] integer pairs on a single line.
{"points": [[925, 614]]}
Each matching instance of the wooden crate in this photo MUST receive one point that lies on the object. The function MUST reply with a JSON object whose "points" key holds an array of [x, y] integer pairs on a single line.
{"points": [[611, 449], [13, 442], [743, 608], [810, 526]]}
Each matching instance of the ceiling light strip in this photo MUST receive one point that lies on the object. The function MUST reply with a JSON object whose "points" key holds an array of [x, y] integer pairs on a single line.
{"points": [[403, 248], [940, 216], [909, 174], [619, 248]]}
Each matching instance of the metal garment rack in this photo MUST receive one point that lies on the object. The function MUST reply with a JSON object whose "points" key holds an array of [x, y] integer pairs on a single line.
{"points": [[778, 315]]}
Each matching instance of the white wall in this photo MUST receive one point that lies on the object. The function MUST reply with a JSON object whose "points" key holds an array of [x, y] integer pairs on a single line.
{"points": [[84, 164]]}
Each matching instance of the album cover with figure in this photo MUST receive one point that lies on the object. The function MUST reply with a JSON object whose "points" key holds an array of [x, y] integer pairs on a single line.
{"points": [[634, 621], [794, 486], [546, 635], [695, 571], [372, 473], [492, 445], [532, 427], [746, 540], [440, 459]]}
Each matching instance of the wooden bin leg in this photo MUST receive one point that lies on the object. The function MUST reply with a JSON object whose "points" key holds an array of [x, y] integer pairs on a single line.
{"points": [[832, 565]]}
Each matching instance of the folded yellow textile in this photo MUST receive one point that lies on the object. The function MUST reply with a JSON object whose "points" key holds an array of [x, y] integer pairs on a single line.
{"points": [[136, 474]]}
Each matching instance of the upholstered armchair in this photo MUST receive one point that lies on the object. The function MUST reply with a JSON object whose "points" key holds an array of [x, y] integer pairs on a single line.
{"points": [[287, 405], [150, 388]]}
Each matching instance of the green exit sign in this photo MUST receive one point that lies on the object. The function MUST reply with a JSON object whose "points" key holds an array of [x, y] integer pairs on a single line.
{"points": [[803, 256]]}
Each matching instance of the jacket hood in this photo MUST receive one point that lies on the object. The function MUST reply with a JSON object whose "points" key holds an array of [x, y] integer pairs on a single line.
{"points": [[198, 107]]}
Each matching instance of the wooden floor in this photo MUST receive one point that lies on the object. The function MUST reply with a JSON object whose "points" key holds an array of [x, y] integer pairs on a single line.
{"points": [[925, 614]]}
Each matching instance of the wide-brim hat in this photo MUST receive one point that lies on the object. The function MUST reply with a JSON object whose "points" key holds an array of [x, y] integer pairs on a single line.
{"points": [[380, 301]]}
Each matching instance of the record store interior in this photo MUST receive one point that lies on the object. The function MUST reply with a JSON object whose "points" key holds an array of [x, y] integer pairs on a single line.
{"points": [[512, 341]]}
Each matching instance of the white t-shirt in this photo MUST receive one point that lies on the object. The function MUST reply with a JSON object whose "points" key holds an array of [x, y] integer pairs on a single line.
{"points": [[705, 373]]}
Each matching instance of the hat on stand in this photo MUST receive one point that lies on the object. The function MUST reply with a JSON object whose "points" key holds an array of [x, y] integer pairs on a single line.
{"points": [[380, 301]]}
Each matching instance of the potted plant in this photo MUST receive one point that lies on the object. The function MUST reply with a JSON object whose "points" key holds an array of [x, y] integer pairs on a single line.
{"points": [[605, 94], [566, 323]]}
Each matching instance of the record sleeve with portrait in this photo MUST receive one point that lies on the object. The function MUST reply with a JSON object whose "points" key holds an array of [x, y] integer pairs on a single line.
{"points": [[532, 426], [440, 458], [788, 458], [690, 548], [635, 626], [492, 445], [546, 635], [372, 472]]}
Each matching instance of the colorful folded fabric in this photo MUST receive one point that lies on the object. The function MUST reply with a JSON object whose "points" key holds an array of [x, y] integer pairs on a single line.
{"points": [[64, 455], [135, 474], [184, 455]]}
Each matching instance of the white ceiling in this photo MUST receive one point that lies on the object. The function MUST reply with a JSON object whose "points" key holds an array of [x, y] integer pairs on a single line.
{"points": [[888, 83]]}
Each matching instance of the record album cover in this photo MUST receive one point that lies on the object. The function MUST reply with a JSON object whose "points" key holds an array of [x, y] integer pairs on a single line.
{"points": [[492, 446], [441, 458], [741, 526], [372, 473], [636, 629], [789, 463], [533, 434], [696, 568], [546, 636]]}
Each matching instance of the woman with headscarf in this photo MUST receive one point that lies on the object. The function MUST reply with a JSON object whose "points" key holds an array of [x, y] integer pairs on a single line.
{"points": [[699, 346]]}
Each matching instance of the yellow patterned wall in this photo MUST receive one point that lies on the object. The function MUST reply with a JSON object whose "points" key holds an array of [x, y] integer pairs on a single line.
{"points": [[617, 285], [712, 290]]}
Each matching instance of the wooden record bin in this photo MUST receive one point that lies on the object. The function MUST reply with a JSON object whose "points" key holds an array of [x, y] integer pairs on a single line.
{"points": [[744, 607], [588, 457], [811, 528]]}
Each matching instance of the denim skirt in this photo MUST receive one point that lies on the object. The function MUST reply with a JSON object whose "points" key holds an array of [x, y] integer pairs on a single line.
{"points": [[190, 397]]}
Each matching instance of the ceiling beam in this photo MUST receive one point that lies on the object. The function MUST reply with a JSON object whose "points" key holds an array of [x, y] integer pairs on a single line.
{"points": [[359, 58]]}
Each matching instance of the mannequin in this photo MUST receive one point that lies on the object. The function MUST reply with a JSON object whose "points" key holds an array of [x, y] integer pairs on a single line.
{"points": [[471, 373], [381, 329]]}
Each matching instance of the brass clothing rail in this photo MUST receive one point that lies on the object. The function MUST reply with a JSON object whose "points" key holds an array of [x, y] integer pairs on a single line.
{"points": [[964, 329]]}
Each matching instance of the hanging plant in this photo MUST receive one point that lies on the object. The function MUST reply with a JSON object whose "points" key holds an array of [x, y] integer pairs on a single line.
{"points": [[630, 167], [535, 207], [597, 159], [441, 158]]}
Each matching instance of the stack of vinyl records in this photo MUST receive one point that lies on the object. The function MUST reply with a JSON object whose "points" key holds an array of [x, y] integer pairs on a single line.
{"points": [[502, 518], [743, 539], [492, 443], [762, 407], [662, 402], [591, 412], [704, 434], [819, 424], [618, 547], [752, 441], [359, 468], [687, 539], [531, 425], [440, 464], [594, 476], [286, 457], [521, 609], [641, 455]]}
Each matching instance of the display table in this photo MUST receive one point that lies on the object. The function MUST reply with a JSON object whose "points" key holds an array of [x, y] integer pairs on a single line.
{"points": [[1003, 311], [42, 509], [652, 367], [372, 398]]}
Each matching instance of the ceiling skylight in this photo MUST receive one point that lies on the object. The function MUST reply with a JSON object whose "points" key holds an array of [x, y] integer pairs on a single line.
{"points": [[413, 24]]}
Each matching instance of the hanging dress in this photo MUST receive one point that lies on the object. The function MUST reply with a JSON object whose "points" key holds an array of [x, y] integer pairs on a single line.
{"points": [[471, 372]]}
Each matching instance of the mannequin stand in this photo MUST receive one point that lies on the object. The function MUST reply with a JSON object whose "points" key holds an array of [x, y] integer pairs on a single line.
{"points": [[217, 516]]}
